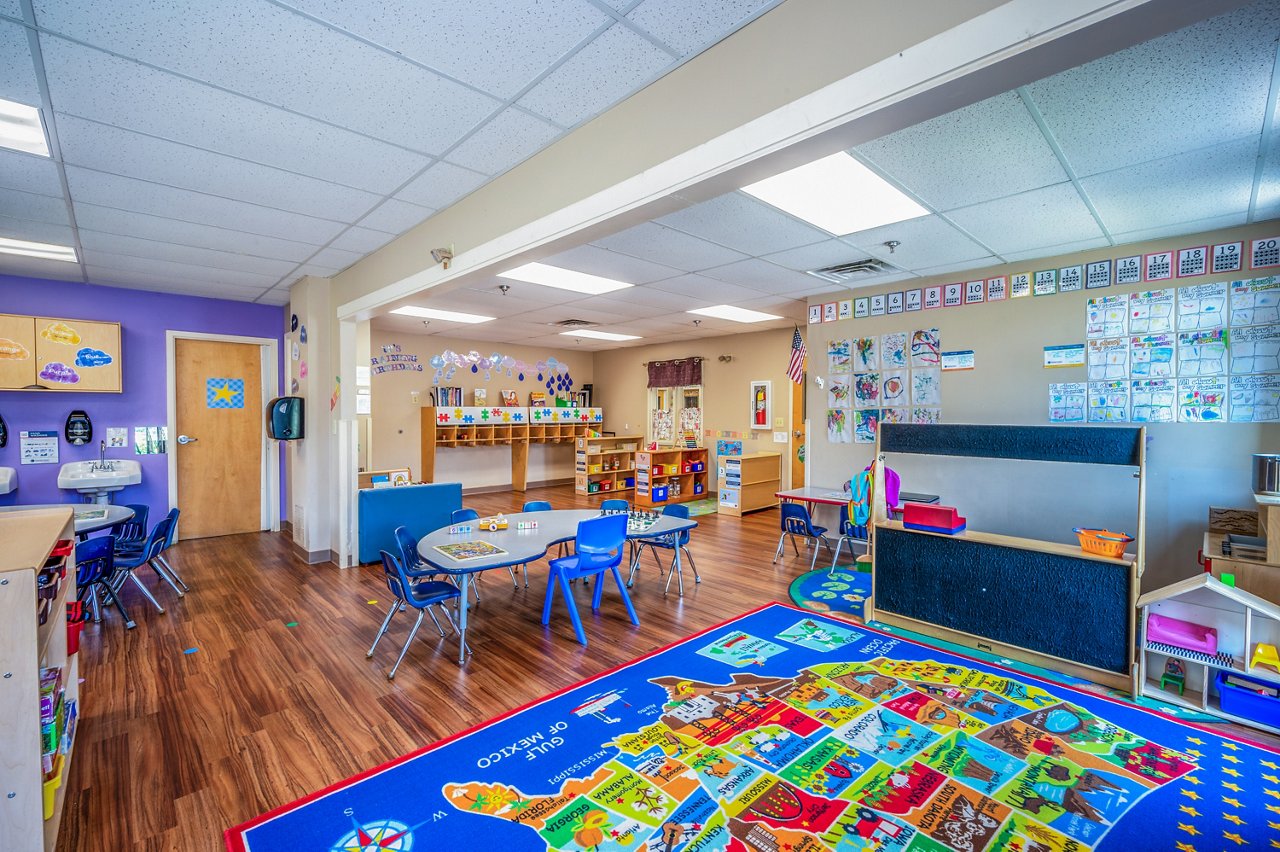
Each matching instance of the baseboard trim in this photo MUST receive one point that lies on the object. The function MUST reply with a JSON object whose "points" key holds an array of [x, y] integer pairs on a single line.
{"points": [[313, 557], [490, 489], [286, 526]]}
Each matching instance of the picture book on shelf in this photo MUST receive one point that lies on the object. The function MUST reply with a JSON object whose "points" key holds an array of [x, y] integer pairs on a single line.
{"points": [[509, 397], [480, 397], [537, 399]]}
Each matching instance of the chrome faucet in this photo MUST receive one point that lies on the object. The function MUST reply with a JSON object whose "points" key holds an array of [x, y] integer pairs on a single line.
{"points": [[102, 463]]}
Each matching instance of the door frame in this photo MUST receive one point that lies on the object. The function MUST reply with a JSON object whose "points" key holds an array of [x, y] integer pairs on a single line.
{"points": [[270, 485]]}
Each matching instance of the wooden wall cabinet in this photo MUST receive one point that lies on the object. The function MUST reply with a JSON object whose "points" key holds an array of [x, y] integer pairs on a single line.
{"points": [[48, 353], [749, 482], [26, 646]]}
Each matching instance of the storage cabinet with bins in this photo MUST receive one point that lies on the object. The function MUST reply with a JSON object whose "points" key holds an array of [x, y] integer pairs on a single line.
{"points": [[670, 476], [31, 799], [748, 482], [603, 465], [87, 351]]}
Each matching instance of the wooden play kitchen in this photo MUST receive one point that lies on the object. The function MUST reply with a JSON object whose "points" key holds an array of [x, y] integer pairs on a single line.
{"points": [[1231, 547]]}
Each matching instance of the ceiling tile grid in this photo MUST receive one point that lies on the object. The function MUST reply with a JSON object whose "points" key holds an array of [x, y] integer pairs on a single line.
{"points": [[923, 241], [594, 260], [38, 208], [394, 216], [669, 247], [17, 77], [692, 25], [31, 229], [96, 241], [112, 220], [505, 140], [29, 173], [1029, 220], [739, 222]]}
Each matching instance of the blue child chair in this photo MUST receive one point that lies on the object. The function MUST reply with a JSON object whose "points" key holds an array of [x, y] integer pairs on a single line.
{"points": [[615, 505], [598, 548], [127, 562], [850, 532], [95, 565], [132, 534], [797, 523], [673, 542], [419, 594]]}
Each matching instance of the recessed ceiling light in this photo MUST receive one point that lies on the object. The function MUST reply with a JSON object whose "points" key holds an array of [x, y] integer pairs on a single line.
{"points": [[432, 313], [599, 335], [22, 129], [44, 251], [729, 312], [564, 279], [838, 194]]}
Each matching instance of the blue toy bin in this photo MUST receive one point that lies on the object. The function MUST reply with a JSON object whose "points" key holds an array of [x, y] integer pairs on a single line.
{"points": [[1247, 704]]}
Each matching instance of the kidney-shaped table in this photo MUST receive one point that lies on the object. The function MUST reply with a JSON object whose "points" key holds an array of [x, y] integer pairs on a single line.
{"points": [[523, 546]]}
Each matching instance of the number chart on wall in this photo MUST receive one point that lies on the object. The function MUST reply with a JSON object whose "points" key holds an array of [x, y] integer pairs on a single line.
{"points": [[886, 378]]}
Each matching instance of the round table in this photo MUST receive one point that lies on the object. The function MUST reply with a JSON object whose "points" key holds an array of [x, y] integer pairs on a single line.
{"points": [[86, 515], [523, 546]]}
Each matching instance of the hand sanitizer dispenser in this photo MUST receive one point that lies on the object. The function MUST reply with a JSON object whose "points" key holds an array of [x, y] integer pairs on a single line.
{"points": [[79, 429]]}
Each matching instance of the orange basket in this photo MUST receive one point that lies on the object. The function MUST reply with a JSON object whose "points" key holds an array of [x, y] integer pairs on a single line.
{"points": [[1103, 542]]}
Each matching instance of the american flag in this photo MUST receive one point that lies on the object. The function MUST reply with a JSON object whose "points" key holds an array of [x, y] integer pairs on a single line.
{"points": [[798, 352]]}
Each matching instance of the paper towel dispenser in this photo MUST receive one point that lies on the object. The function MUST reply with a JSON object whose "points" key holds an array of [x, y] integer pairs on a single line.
{"points": [[285, 422]]}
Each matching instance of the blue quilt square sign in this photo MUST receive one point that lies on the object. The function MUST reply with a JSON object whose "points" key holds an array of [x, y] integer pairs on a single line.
{"points": [[224, 393]]}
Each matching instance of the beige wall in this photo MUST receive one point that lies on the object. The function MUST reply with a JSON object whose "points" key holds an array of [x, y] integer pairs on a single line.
{"points": [[621, 381], [396, 421], [1190, 466]]}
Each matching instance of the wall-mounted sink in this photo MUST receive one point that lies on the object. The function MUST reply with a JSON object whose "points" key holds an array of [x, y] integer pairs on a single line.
{"points": [[97, 479], [8, 480]]}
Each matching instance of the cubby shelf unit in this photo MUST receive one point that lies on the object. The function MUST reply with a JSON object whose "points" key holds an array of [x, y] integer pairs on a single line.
{"points": [[605, 465], [676, 475]]}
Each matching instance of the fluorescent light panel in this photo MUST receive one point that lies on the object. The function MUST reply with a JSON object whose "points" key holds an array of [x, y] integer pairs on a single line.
{"points": [[44, 251], [599, 335], [21, 128], [563, 279], [729, 312], [432, 313], [838, 194]]}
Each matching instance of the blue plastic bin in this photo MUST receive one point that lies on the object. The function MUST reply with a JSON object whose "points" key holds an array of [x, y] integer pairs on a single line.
{"points": [[1245, 703]]}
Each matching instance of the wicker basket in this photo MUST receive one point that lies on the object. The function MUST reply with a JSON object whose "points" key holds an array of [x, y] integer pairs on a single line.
{"points": [[1103, 542]]}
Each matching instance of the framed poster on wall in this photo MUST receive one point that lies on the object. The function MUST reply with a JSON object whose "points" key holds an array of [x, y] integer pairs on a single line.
{"points": [[761, 405]]}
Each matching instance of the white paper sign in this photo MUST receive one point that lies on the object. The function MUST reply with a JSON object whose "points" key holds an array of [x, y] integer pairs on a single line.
{"points": [[952, 295], [118, 438], [38, 447], [1228, 257], [1070, 278], [1129, 269], [846, 308], [1097, 274], [975, 292], [1019, 285], [861, 307], [829, 312], [962, 360], [815, 314], [1265, 252], [1193, 261], [914, 299], [1158, 266], [996, 289], [1045, 282], [877, 305], [895, 302], [932, 297]]}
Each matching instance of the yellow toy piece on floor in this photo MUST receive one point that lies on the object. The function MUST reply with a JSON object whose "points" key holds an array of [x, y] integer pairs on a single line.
{"points": [[1266, 655]]}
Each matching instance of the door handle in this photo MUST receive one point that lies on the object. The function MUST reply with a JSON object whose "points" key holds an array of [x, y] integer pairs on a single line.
{"points": [[798, 434], [186, 439]]}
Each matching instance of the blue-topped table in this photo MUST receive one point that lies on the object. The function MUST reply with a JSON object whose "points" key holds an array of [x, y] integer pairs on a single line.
{"points": [[523, 546]]}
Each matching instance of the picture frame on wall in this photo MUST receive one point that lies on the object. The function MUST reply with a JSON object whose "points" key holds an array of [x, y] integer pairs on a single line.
{"points": [[761, 405]]}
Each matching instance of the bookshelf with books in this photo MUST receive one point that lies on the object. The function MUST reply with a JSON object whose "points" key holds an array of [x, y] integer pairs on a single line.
{"points": [[604, 465], [675, 475]]}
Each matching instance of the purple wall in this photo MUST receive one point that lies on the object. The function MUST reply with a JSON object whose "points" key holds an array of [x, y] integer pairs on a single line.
{"points": [[144, 318]]}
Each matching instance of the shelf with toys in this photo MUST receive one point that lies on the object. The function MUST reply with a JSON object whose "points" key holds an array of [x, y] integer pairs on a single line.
{"points": [[674, 475], [605, 464]]}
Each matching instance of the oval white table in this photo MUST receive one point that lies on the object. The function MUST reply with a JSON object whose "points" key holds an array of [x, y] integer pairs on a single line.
{"points": [[523, 546], [87, 519]]}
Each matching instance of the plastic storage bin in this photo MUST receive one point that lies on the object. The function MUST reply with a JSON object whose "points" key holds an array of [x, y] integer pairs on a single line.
{"points": [[1241, 701], [659, 494]]}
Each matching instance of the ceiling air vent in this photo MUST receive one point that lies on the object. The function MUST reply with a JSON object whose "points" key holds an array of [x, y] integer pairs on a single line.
{"points": [[573, 323], [842, 273]]}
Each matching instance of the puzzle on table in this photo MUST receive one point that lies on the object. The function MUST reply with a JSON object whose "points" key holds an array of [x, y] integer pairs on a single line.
{"points": [[786, 730], [464, 550]]}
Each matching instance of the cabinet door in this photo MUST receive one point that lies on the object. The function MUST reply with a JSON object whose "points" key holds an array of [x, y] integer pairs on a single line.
{"points": [[78, 355], [17, 351]]}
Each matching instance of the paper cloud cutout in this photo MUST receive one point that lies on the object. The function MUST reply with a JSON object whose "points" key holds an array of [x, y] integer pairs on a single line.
{"points": [[12, 350], [88, 357], [60, 332], [56, 371]]}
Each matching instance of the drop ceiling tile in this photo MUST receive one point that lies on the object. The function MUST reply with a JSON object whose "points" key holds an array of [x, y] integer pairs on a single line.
{"points": [[507, 139], [485, 303], [616, 63], [316, 270], [1211, 182], [689, 25], [110, 277], [29, 174], [1229, 220], [494, 45], [761, 275], [792, 309], [282, 58], [12, 8], [1053, 251], [651, 241], [594, 260], [105, 148], [706, 288], [573, 310], [990, 149], [536, 293], [114, 221], [95, 241], [828, 288], [335, 258], [142, 197], [40, 232], [1218, 71], [826, 253], [948, 268], [93, 85], [742, 223], [1041, 217], [923, 241], [34, 267], [360, 240], [279, 297], [393, 216], [17, 74], [41, 208], [441, 185], [649, 301], [122, 263]]}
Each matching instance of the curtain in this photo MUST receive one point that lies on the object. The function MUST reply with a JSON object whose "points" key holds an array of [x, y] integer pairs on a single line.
{"points": [[675, 374]]}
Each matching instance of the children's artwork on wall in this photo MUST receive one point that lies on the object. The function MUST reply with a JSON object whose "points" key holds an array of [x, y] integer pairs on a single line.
{"points": [[302, 335], [1151, 312], [1202, 353], [1255, 302], [1108, 358], [866, 354], [1107, 316], [926, 416], [865, 425], [866, 390], [293, 386], [1202, 306], [1067, 402], [926, 387], [761, 402], [893, 350], [663, 426], [838, 360], [12, 350], [926, 347], [1151, 356], [894, 415], [1108, 402], [1200, 400], [1255, 399], [117, 437], [839, 392], [1153, 401], [894, 390], [295, 351], [302, 370], [838, 426], [1255, 349], [149, 440]]}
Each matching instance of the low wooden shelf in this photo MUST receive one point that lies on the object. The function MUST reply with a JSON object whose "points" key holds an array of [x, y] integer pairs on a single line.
{"points": [[604, 465], [748, 483], [675, 475]]}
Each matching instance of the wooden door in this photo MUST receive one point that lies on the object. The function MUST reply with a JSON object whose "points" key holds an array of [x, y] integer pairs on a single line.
{"points": [[78, 355], [17, 351], [219, 404], [798, 435]]}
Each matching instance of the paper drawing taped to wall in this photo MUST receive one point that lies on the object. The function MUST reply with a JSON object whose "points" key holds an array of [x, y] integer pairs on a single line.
{"points": [[926, 416], [1255, 302], [894, 389], [1066, 402], [1153, 401], [1151, 356], [926, 387], [1255, 399], [895, 415], [1202, 353], [838, 426], [865, 425], [926, 347], [866, 390], [838, 360], [1200, 400], [1255, 349], [893, 350], [839, 392], [1108, 402], [866, 354]]}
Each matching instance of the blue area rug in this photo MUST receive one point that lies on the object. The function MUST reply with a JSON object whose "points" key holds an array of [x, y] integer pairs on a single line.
{"points": [[784, 729], [843, 593]]}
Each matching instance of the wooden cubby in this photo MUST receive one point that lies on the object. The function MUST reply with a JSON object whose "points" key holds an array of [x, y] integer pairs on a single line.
{"points": [[605, 465], [676, 475], [748, 482], [26, 647]]}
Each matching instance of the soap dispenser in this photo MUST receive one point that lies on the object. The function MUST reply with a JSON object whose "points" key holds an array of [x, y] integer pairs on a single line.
{"points": [[79, 429], [4, 434]]}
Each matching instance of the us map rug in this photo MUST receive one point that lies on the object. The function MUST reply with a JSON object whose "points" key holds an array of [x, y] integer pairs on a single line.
{"points": [[786, 730]]}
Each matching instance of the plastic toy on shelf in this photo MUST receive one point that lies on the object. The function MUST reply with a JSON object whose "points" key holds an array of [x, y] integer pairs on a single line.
{"points": [[929, 518], [494, 523]]}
